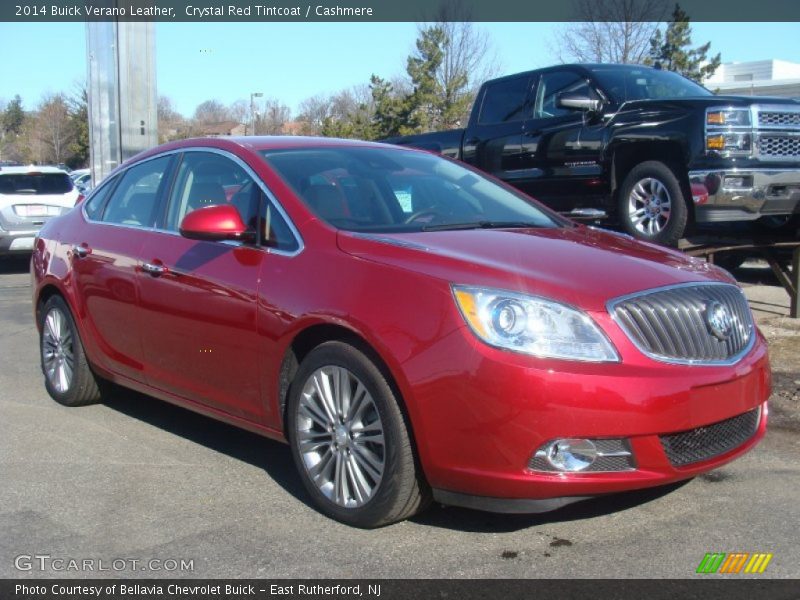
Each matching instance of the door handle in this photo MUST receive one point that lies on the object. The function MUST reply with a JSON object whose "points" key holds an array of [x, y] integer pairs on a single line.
{"points": [[473, 141], [81, 250], [154, 269]]}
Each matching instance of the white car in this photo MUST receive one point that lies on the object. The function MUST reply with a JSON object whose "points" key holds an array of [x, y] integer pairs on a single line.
{"points": [[29, 196]]}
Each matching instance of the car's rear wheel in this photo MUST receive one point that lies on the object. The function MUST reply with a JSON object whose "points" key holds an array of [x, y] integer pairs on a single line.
{"points": [[651, 204], [67, 375], [350, 441]]}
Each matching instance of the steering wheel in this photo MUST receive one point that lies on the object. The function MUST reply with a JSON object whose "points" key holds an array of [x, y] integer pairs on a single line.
{"points": [[420, 213]]}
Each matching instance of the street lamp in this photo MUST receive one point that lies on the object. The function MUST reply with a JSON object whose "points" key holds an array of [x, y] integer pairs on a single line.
{"points": [[253, 109]]}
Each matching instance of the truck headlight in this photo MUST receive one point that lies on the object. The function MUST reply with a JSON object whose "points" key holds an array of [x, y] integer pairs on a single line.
{"points": [[730, 142], [532, 325], [730, 117]]}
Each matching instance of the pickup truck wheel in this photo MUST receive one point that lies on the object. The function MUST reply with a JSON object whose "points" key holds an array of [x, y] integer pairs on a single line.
{"points": [[652, 206], [349, 440]]}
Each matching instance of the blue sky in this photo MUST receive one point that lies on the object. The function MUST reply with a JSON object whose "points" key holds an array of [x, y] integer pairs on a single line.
{"points": [[292, 61]]}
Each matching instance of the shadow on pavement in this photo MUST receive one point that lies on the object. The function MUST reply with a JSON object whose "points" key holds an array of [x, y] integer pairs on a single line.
{"points": [[276, 460], [274, 457], [15, 264]]}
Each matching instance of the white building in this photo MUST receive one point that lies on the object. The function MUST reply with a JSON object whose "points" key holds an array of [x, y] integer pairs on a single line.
{"points": [[757, 78]]}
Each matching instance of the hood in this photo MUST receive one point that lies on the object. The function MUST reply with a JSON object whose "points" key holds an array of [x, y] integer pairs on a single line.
{"points": [[704, 102], [578, 265]]}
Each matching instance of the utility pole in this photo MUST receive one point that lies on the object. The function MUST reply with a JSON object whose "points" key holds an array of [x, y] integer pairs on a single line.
{"points": [[253, 109]]}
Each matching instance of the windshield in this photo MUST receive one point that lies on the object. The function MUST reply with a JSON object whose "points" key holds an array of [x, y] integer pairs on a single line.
{"points": [[626, 83], [35, 183], [386, 190]]}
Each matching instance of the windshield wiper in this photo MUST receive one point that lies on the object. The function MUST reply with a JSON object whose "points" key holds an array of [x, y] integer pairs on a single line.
{"points": [[481, 225]]}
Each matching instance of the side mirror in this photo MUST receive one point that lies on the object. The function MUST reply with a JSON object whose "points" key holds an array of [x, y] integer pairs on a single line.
{"points": [[578, 102], [216, 223]]}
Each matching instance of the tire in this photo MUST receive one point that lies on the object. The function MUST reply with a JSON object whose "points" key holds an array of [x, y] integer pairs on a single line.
{"points": [[653, 186], [380, 482], [67, 376]]}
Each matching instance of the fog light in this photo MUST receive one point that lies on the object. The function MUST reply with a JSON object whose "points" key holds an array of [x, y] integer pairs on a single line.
{"points": [[738, 182], [571, 455]]}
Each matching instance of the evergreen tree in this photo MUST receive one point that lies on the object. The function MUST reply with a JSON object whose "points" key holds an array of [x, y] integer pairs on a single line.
{"points": [[13, 117], [79, 122], [672, 50], [393, 112], [427, 99]]}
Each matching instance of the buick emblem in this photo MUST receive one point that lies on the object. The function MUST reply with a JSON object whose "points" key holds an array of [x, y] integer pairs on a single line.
{"points": [[719, 319]]}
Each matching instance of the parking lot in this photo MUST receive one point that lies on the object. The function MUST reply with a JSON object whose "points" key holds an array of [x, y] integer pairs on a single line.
{"points": [[139, 479]]}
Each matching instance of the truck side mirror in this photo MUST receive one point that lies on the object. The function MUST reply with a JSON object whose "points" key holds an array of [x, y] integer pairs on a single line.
{"points": [[577, 101]]}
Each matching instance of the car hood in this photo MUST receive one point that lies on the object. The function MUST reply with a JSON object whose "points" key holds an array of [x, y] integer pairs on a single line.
{"points": [[577, 265]]}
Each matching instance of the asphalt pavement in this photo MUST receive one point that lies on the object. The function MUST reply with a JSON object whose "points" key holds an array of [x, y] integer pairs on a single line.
{"points": [[138, 480]]}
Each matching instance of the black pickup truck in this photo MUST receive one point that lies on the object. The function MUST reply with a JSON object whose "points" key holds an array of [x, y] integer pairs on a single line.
{"points": [[647, 147]]}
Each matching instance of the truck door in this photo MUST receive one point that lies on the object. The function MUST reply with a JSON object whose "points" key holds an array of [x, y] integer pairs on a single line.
{"points": [[492, 142], [561, 147]]}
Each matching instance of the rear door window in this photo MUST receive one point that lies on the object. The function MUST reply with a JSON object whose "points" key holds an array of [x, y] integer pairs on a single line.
{"points": [[505, 101], [94, 204], [135, 201]]}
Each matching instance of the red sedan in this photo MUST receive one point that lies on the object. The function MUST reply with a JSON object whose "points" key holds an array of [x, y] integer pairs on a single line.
{"points": [[414, 329]]}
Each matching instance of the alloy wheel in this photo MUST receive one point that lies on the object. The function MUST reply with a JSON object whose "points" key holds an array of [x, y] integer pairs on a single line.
{"points": [[58, 357], [340, 436], [649, 206]]}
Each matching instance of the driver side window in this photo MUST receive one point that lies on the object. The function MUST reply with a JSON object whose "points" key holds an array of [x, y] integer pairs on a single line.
{"points": [[551, 86]]}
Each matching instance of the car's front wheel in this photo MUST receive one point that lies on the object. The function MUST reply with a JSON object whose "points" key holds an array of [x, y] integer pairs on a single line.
{"points": [[350, 441], [67, 376]]}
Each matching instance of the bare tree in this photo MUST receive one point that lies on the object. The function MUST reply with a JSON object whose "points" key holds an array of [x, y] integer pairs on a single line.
{"points": [[239, 111], [53, 128], [312, 113], [346, 113], [610, 31], [170, 121], [272, 116], [211, 111]]}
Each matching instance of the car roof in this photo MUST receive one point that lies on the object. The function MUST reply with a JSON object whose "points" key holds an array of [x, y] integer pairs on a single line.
{"points": [[274, 142], [30, 169], [258, 143]]}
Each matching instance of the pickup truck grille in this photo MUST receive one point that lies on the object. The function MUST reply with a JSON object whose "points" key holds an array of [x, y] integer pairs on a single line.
{"points": [[675, 324], [773, 118], [778, 146]]}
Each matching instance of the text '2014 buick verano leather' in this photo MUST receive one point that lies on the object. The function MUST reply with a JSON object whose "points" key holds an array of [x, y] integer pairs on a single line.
{"points": [[413, 328]]}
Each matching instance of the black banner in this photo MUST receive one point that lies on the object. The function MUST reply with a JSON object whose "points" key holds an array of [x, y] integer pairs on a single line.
{"points": [[398, 589], [382, 10]]}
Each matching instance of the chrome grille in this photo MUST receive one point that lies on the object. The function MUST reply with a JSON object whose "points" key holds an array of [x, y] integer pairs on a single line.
{"points": [[775, 117], [672, 324], [778, 146], [707, 442]]}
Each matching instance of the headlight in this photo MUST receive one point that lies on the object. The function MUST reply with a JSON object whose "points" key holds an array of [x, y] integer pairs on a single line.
{"points": [[733, 117], [728, 131], [532, 325], [729, 142]]}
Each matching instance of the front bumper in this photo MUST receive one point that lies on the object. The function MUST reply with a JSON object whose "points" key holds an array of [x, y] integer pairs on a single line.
{"points": [[744, 194], [482, 419]]}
